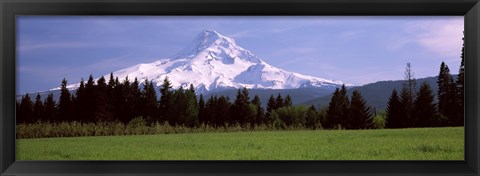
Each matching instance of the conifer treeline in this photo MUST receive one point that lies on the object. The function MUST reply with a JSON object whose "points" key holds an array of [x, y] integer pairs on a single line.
{"points": [[418, 109], [124, 100]]}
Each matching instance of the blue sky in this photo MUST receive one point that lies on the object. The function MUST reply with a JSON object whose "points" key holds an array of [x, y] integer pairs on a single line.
{"points": [[357, 50]]}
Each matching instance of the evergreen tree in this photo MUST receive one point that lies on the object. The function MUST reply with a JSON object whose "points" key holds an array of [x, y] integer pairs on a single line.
{"points": [[65, 103], [447, 96], [394, 108], [165, 98], [103, 109], [50, 109], [149, 102], [279, 102], [241, 109], [461, 88], [80, 102], [260, 116], [312, 120], [90, 100], [210, 111], [221, 111], [406, 103], [201, 110], [118, 100], [288, 101], [360, 113], [38, 108], [424, 109], [182, 108], [271, 106], [338, 109], [25, 115]]}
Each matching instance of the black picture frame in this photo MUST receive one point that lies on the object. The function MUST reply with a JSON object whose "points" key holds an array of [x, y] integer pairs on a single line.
{"points": [[9, 9]]}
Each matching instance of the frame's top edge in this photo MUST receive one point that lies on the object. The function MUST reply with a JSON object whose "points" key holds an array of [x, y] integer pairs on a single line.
{"points": [[249, 1]]}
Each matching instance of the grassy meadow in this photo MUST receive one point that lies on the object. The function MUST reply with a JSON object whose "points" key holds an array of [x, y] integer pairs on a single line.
{"points": [[386, 144]]}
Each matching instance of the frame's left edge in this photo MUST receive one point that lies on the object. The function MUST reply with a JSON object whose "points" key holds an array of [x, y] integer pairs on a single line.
{"points": [[7, 88]]}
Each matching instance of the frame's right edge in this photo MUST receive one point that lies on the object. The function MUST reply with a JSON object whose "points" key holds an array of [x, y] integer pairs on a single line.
{"points": [[472, 64]]}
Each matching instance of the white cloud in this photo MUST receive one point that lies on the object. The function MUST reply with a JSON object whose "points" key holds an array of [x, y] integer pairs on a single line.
{"points": [[443, 37]]}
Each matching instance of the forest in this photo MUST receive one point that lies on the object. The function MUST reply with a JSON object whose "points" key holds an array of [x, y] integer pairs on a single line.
{"points": [[122, 102]]}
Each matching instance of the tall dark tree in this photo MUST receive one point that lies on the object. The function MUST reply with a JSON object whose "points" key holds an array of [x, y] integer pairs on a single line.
{"points": [[241, 109], [38, 108], [260, 116], [288, 101], [134, 99], [424, 107], [50, 108], [65, 103], [360, 113], [90, 100], [447, 96], [25, 114], [221, 111], [394, 108], [201, 110], [80, 102], [165, 98], [313, 118], [461, 88], [103, 109], [149, 102], [279, 102], [338, 109], [118, 99], [182, 108], [406, 110], [271, 106]]}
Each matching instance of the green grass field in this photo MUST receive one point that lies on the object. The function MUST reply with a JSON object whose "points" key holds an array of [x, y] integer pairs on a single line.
{"points": [[387, 144]]}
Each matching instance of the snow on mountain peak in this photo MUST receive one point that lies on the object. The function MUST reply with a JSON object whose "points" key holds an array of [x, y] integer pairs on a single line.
{"points": [[213, 61]]}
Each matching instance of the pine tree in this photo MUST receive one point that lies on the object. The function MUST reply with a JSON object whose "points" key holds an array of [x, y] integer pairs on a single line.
{"points": [[271, 106], [221, 111], [338, 113], [38, 108], [149, 102], [241, 110], [103, 107], [80, 102], [288, 101], [312, 119], [50, 109], [424, 108], [165, 99], [202, 111], [65, 103], [279, 102], [360, 113], [394, 108], [447, 96], [90, 100], [25, 115], [461, 88], [406, 103], [260, 116]]}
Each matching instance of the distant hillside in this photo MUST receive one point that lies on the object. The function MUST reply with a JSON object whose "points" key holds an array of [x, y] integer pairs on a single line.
{"points": [[377, 94], [299, 96]]}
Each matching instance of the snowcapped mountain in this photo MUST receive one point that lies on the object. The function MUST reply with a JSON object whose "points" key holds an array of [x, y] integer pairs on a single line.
{"points": [[215, 62]]}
